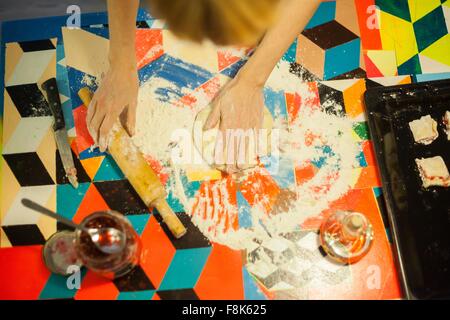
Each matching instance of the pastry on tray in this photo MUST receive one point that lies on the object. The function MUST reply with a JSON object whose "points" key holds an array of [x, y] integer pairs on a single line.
{"points": [[447, 123], [433, 172], [424, 130]]}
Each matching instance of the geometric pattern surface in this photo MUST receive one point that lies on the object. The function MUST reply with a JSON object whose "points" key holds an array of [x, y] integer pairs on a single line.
{"points": [[194, 267], [293, 263], [413, 33], [330, 45], [327, 63], [28, 155]]}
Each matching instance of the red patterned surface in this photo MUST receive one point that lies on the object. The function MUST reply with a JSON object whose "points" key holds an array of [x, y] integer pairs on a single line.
{"points": [[23, 273]]}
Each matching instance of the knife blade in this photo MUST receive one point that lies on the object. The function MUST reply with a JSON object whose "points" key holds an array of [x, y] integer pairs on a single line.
{"points": [[50, 88]]}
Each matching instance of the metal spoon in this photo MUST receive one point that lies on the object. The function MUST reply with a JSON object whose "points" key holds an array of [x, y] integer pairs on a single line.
{"points": [[107, 240]]}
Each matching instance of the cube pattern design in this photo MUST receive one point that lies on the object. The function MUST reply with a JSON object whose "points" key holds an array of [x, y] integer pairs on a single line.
{"points": [[28, 147], [337, 50]]}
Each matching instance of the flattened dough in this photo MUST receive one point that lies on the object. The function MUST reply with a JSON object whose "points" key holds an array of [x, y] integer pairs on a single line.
{"points": [[433, 172], [424, 130], [205, 141]]}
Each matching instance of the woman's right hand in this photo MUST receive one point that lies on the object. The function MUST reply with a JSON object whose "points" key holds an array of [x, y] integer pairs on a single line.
{"points": [[116, 94]]}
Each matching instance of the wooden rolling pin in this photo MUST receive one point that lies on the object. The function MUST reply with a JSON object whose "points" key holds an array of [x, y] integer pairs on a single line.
{"points": [[141, 176]]}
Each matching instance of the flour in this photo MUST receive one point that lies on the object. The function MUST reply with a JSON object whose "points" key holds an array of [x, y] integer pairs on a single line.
{"points": [[89, 81], [332, 143], [314, 136], [151, 53], [282, 80], [230, 53], [156, 121]]}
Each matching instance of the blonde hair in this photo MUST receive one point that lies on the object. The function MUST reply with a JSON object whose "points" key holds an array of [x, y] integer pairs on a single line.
{"points": [[225, 22]]}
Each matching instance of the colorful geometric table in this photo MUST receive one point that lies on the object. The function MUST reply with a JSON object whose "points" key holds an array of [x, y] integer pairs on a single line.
{"points": [[406, 47]]}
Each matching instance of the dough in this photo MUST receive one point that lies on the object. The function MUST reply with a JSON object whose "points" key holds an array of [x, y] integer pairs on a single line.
{"points": [[205, 141], [447, 123], [424, 130], [433, 172]]}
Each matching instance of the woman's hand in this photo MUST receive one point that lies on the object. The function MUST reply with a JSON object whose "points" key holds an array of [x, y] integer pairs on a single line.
{"points": [[239, 106], [117, 93], [119, 87]]}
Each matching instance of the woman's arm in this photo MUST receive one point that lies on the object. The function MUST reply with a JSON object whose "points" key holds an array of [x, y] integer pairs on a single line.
{"points": [[119, 87], [122, 26], [294, 15], [240, 104]]}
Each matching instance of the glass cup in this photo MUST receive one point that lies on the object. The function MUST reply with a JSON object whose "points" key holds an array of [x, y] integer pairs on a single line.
{"points": [[59, 253], [346, 236], [115, 265]]}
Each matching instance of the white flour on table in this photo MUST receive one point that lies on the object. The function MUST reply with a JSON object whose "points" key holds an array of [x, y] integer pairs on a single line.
{"points": [[156, 121]]}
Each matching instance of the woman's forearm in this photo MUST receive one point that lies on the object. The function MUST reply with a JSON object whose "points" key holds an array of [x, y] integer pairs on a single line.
{"points": [[122, 25], [292, 19]]}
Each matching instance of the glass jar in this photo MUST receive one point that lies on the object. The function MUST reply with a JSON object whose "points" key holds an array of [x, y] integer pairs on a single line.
{"points": [[346, 236], [60, 254], [108, 265]]}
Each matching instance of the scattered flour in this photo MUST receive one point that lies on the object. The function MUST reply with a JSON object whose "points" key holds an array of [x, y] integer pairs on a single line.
{"points": [[151, 53], [282, 80], [90, 81], [314, 136], [331, 182], [156, 121], [333, 145]]}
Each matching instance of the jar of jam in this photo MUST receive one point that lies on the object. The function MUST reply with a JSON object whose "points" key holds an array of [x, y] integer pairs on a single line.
{"points": [[108, 265]]}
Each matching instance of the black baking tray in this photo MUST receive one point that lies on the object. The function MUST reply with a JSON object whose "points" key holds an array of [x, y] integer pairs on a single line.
{"points": [[419, 218]]}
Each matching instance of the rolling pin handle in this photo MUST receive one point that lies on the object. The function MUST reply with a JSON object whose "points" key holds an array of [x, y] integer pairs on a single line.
{"points": [[170, 218], [85, 95], [142, 187]]}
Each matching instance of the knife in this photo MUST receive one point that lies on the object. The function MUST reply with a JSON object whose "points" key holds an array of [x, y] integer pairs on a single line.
{"points": [[59, 127]]}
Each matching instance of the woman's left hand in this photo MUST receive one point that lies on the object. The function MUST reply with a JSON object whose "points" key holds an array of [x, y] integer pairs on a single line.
{"points": [[238, 110]]}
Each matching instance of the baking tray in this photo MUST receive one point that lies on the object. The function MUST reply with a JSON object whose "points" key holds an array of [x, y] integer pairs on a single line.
{"points": [[419, 218]]}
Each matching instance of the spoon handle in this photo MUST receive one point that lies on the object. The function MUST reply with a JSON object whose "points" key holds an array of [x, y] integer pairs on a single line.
{"points": [[37, 207]]}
